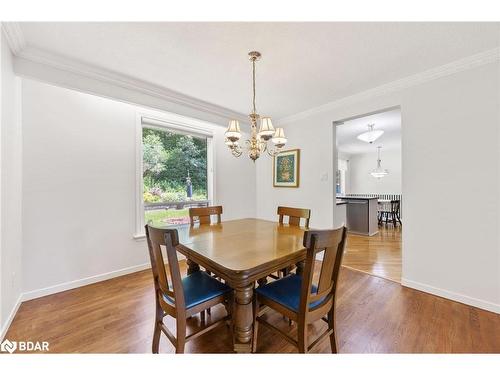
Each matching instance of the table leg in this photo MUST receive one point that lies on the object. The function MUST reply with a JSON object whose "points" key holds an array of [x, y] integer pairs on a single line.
{"points": [[192, 267], [243, 318], [300, 267]]}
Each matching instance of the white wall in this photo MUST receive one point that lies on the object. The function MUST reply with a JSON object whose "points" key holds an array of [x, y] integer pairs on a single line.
{"points": [[11, 182], [360, 180], [450, 138], [316, 162], [79, 186]]}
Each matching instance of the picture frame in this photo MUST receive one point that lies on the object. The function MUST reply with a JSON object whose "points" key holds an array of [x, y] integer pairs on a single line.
{"points": [[286, 169]]}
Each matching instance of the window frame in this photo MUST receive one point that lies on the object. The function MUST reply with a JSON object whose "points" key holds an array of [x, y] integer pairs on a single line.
{"points": [[177, 124]]}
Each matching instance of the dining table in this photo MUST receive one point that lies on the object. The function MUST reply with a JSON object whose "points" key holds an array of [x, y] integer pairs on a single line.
{"points": [[243, 253]]}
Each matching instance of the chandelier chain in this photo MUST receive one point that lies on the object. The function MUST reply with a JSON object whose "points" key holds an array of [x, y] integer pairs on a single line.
{"points": [[253, 71]]}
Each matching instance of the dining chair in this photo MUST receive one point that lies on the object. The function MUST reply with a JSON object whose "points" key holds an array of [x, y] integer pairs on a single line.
{"points": [[188, 296], [390, 213], [296, 297], [203, 215], [294, 215]]}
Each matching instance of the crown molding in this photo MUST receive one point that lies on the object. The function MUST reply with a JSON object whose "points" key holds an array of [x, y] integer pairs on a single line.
{"points": [[457, 66], [14, 36], [24, 51], [59, 62]]}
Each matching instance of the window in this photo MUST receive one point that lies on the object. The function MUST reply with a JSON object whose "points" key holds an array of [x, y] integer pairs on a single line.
{"points": [[175, 172], [342, 168]]}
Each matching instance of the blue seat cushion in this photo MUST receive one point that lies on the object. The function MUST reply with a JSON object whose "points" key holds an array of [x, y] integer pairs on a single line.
{"points": [[286, 292], [199, 287]]}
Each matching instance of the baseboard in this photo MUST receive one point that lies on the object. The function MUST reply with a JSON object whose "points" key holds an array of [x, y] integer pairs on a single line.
{"points": [[12, 314], [479, 303], [26, 296]]}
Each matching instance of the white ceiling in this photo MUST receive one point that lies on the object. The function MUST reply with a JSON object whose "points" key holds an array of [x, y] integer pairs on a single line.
{"points": [[304, 65], [389, 122]]}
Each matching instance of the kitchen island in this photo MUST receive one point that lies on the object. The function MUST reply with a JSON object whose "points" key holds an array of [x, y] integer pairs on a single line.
{"points": [[361, 214], [340, 214]]}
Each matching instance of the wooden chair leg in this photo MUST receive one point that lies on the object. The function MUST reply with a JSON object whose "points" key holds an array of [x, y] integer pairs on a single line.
{"points": [[229, 309], [302, 336], [209, 312], [156, 338], [255, 323], [181, 336], [157, 331], [202, 317], [331, 325]]}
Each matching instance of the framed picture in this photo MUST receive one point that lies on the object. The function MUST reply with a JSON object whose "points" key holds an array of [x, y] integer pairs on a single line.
{"points": [[286, 169]]}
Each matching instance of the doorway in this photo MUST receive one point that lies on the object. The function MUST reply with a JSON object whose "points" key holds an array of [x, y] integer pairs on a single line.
{"points": [[368, 192]]}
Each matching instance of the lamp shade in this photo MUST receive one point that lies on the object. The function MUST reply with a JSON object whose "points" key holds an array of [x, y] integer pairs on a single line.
{"points": [[279, 138], [233, 131], [266, 130], [371, 135], [379, 172]]}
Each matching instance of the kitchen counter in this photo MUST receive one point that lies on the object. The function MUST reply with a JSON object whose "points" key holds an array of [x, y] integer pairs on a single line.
{"points": [[354, 198], [361, 214]]}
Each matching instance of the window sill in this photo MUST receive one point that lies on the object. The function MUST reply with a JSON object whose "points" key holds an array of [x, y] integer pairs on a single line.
{"points": [[139, 236]]}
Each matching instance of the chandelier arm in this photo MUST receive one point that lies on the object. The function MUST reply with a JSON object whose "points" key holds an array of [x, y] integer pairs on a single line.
{"points": [[263, 146], [273, 152], [236, 152], [248, 144]]}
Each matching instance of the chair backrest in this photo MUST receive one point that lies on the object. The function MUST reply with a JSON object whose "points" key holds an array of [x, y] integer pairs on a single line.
{"points": [[204, 214], [158, 237], [294, 215], [395, 206], [332, 242]]}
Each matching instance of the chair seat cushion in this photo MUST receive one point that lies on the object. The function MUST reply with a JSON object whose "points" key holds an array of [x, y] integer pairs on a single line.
{"points": [[199, 287], [286, 292]]}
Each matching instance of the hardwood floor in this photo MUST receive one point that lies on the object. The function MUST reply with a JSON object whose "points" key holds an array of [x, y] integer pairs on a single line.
{"points": [[378, 255], [374, 315]]}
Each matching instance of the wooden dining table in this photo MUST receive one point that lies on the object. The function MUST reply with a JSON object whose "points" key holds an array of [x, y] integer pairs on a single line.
{"points": [[243, 253]]}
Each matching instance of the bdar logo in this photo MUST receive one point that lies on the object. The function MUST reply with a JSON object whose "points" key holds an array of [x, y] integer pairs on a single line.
{"points": [[8, 346], [24, 346]]}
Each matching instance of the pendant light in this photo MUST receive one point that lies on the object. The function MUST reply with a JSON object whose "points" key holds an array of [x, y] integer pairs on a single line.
{"points": [[379, 172]]}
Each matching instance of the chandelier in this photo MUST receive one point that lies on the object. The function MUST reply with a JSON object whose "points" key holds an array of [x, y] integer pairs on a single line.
{"points": [[258, 142]]}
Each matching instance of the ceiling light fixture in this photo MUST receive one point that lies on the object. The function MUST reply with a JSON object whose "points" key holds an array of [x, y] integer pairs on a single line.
{"points": [[379, 172], [371, 135], [257, 143]]}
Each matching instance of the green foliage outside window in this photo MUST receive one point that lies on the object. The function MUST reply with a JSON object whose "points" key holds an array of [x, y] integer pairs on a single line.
{"points": [[167, 158]]}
